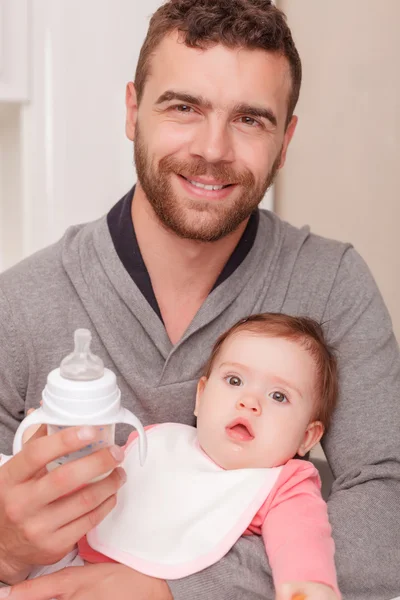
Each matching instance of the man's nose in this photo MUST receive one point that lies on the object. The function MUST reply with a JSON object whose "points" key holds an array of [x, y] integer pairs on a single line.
{"points": [[213, 142], [250, 403]]}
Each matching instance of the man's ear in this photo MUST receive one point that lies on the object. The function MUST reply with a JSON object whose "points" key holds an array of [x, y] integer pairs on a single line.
{"points": [[131, 111], [313, 434], [200, 389], [287, 139]]}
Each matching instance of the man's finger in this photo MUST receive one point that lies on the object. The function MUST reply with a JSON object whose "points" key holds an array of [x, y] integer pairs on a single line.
{"points": [[73, 506], [77, 473], [43, 450], [33, 433], [67, 536], [47, 587]]}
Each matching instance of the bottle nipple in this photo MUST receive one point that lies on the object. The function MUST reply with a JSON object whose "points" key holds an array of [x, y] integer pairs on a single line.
{"points": [[81, 364]]}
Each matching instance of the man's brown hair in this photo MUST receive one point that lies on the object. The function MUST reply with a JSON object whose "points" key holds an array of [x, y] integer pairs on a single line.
{"points": [[304, 331], [250, 24]]}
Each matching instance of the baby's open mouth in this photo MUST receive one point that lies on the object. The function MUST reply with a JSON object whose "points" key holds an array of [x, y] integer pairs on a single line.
{"points": [[240, 430]]}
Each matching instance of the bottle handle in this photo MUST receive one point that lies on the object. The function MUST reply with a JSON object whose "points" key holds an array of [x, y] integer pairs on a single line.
{"points": [[37, 417], [127, 417]]}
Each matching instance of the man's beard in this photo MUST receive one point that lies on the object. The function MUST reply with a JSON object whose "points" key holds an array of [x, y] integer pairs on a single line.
{"points": [[205, 221]]}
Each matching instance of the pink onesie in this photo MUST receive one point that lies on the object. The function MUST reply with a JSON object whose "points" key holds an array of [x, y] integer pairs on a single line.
{"points": [[294, 525]]}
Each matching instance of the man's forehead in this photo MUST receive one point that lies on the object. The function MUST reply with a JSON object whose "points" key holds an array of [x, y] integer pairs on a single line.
{"points": [[231, 75]]}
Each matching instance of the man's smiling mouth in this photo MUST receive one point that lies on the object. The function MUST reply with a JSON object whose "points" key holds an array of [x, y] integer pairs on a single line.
{"points": [[207, 186]]}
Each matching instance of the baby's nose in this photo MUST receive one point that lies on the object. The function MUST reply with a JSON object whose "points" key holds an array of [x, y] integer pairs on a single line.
{"points": [[250, 403]]}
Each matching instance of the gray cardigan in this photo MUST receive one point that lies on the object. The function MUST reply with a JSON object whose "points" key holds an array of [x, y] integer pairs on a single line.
{"points": [[80, 282]]}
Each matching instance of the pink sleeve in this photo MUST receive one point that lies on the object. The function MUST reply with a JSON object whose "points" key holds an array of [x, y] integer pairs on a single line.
{"points": [[86, 552], [296, 529]]}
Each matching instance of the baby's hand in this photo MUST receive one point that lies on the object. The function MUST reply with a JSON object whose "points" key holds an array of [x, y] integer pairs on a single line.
{"points": [[305, 590]]}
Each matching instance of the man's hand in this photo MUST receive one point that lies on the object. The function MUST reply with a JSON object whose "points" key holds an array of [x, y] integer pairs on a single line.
{"points": [[43, 515], [93, 582], [307, 590]]}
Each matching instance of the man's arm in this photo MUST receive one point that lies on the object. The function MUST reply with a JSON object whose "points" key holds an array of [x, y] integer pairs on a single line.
{"points": [[13, 376], [363, 444], [243, 574]]}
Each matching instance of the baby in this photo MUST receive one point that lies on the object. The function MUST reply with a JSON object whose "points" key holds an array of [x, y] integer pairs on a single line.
{"points": [[266, 396]]}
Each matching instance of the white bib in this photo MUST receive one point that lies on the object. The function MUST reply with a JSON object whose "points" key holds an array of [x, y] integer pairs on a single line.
{"points": [[180, 512]]}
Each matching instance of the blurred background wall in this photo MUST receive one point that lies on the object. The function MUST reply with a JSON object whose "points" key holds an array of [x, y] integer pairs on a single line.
{"points": [[64, 157], [343, 169]]}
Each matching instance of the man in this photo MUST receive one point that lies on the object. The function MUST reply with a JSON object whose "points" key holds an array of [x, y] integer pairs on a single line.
{"points": [[176, 262]]}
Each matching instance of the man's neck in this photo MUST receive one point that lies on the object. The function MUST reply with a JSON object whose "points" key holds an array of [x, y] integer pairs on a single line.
{"points": [[182, 271]]}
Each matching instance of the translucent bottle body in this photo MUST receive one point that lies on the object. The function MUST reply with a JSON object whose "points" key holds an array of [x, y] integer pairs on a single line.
{"points": [[105, 437]]}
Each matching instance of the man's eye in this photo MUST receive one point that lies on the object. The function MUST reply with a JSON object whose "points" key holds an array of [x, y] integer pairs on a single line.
{"points": [[183, 108], [278, 397], [250, 121], [234, 380]]}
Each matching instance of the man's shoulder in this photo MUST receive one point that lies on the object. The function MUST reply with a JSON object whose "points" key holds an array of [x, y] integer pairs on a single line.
{"points": [[39, 273], [306, 244], [330, 260], [311, 270]]}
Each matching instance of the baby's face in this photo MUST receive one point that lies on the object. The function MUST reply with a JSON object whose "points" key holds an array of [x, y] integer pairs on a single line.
{"points": [[256, 408]]}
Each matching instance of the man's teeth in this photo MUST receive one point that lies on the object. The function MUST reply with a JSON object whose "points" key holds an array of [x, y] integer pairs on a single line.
{"points": [[206, 187]]}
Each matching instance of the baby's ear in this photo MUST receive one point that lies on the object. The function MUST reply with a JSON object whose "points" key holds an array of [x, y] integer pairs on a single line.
{"points": [[313, 434], [200, 389]]}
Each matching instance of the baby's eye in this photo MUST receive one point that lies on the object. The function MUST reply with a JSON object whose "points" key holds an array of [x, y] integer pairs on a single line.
{"points": [[234, 380], [278, 397]]}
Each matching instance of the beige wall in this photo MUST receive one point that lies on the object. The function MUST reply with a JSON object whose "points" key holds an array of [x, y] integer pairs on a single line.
{"points": [[11, 221], [343, 168]]}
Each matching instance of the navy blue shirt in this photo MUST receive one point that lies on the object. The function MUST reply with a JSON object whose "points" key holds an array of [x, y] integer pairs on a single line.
{"points": [[123, 235]]}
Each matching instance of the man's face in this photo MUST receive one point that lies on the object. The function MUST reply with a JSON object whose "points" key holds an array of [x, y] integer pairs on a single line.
{"points": [[209, 134]]}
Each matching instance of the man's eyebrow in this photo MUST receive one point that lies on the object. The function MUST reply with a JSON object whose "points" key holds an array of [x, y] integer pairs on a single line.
{"points": [[247, 109], [184, 97]]}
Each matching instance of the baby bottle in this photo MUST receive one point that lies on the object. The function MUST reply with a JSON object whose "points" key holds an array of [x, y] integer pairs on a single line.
{"points": [[82, 392]]}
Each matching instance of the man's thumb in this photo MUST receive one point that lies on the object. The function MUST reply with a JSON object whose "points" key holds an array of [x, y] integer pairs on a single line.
{"points": [[43, 588]]}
